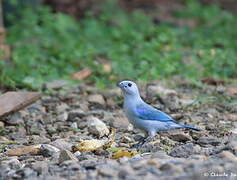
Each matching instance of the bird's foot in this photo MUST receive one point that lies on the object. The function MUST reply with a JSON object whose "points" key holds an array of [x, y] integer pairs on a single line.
{"points": [[144, 142]]}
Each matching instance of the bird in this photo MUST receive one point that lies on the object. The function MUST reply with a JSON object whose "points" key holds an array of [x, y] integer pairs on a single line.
{"points": [[144, 116]]}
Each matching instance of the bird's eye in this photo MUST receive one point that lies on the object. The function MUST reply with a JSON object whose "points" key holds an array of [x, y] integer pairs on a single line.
{"points": [[129, 84]]}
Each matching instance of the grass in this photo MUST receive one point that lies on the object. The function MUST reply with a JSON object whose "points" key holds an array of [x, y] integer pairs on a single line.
{"points": [[48, 46]]}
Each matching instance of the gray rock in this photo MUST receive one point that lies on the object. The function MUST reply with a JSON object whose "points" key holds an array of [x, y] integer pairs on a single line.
{"points": [[48, 150], [16, 119], [62, 108], [96, 98], [77, 154], [204, 141], [41, 167], [126, 171], [153, 90], [62, 117], [171, 168], [227, 155], [107, 170], [66, 155], [11, 162], [74, 125], [185, 150], [35, 139], [77, 113], [179, 136], [97, 127], [27, 173], [117, 120], [61, 144]]}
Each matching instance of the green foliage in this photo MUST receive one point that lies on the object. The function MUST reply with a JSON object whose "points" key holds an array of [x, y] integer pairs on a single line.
{"points": [[48, 46]]}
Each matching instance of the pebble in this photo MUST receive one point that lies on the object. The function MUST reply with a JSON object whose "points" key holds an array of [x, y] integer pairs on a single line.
{"points": [[61, 144], [76, 113], [204, 141], [16, 119], [179, 136], [97, 127], [185, 150], [48, 150], [96, 98], [66, 155]]}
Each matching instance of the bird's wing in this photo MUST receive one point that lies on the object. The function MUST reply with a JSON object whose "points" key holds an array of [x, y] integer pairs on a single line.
{"points": [[147, 112]]}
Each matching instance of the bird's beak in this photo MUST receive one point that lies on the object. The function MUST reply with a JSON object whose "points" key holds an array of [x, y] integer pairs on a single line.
{"points": [[119, 85]]}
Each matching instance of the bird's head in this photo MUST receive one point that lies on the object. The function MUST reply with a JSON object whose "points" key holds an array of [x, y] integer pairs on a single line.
{"points": [[129, 88]]}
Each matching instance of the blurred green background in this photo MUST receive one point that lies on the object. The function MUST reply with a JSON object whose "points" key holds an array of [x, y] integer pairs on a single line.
{"points": [[117, 42]]}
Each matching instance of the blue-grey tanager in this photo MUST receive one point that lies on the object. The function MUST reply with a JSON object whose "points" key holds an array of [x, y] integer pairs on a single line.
{"points": [[144, 116]]}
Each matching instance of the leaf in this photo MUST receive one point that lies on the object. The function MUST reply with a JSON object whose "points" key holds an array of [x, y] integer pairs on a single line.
{"points": [[83, 74], [94, 144], [33, 150], [124, 153], [232, 89], [212, 81]]}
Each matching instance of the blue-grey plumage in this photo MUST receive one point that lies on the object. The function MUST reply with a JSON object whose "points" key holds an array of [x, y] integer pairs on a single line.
{"points": [[143, 115]]}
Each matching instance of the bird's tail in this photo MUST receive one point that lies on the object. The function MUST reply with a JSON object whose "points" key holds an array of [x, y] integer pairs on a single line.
{"points": [[190, 127]]}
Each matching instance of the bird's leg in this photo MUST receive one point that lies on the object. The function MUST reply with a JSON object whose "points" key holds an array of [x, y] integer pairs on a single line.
{"points": [[150, 137]]}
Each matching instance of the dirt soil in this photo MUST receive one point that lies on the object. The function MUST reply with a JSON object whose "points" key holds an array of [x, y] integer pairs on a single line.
{"points": [[44, 140]]}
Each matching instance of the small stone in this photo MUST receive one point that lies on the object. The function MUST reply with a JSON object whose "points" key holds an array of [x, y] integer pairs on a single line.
{"points": [[48, 150], [97, 127], [66, 155], [204, 141], [12, 162], [35, 139], [185, 150], [125, 172], [171, 168], [62, 108], [61, 144], [228, 156], [153, 90], [41, 167], [117, 120], [74, 125], [1, 124], [179, 136], [62, 117], [126, 139], [27, 173], [106, 170], [77, 154], [153, 162], [3, 140], [77, 113], [16, 119], [96, 98]]}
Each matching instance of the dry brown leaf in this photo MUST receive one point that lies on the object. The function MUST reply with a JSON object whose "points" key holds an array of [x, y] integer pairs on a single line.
{"points": [[89, 145], [94, 144], [106, 67], [83, 74], [212, 81], [124, 153], [232, 117], [33, 150], [232, 89]]}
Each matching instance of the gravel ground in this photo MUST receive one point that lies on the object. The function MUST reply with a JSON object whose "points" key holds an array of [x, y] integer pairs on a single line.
{"points": [[39, 141]]}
